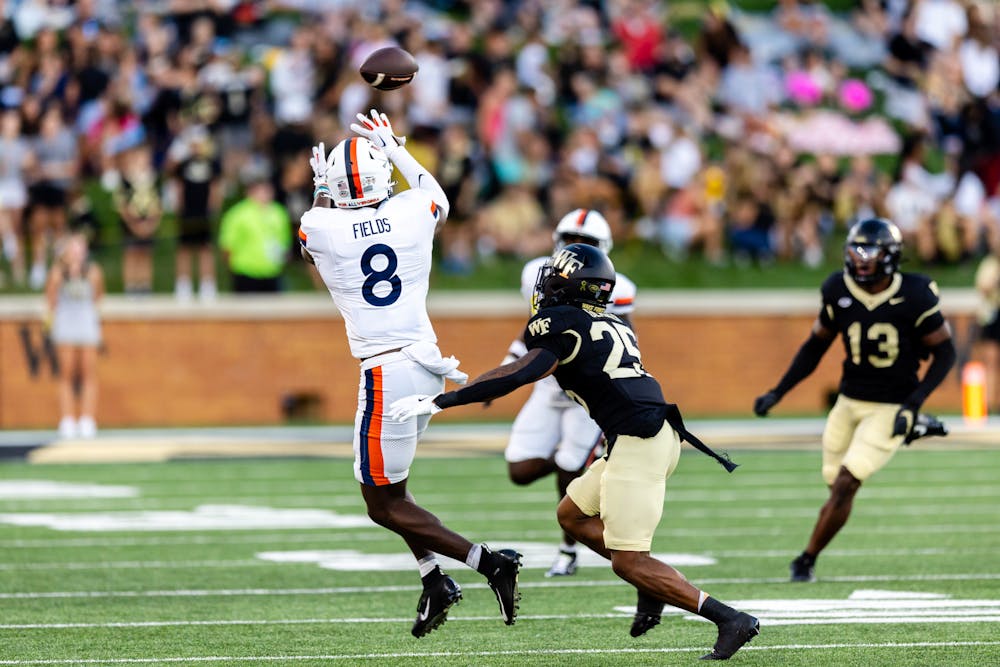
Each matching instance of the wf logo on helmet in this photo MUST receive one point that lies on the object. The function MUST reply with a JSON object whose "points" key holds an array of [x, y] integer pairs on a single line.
{"points": [[566, 262]]}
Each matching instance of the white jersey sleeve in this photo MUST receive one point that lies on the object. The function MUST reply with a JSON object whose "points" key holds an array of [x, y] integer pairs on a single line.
{"points": [[376, 263], [622, 296], [420, 179]]}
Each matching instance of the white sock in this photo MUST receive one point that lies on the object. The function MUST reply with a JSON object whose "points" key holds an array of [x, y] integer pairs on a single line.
{"points": [[472, 559], [702, 596], [427, 565], [568, 548]]}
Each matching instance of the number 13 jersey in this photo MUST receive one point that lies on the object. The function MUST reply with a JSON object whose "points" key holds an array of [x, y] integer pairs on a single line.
{"points": [[600, 367], [881, 333], [376, 262]]}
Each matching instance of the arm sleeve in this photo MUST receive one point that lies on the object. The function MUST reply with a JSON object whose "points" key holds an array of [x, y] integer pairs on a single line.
{"points": [[804, 363], [420, 179], [501, 382], [944, 359]]}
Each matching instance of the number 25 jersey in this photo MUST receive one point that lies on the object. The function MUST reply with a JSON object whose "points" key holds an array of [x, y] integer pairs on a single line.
{"points": [[881, 333], [376, 262], [600, 367]]}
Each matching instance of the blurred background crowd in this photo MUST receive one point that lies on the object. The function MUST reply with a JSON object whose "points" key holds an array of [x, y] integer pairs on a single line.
{"points": [[703, 129]]}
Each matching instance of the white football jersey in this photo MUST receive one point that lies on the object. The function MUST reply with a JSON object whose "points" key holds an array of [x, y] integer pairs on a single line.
{"points": [[622, 296], [376, 262]]}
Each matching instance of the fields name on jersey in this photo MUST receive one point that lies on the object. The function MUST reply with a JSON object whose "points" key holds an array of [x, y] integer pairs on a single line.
{"points": [[371, 227], [539, 327]]}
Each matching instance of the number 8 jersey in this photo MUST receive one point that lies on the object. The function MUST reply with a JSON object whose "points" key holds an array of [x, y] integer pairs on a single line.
{"points": [[881, 333], [376, 262]]}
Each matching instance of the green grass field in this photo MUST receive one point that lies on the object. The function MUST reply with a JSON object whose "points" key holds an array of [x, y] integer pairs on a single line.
{"points": [[272, 562]]}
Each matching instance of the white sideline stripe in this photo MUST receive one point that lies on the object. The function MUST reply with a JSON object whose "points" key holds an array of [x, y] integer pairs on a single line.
{"points": [[739, 553], [232, 592], [487, 654], [329, 535]]}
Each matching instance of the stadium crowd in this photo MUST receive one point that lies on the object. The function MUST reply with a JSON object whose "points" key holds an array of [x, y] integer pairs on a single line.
{"points": [[735, 135]]}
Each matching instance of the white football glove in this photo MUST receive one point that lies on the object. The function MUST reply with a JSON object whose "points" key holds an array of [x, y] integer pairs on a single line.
{"points": [[378, 130], [413, 406], [320, 163]]}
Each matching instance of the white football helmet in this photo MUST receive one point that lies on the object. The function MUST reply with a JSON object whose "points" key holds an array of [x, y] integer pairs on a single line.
{"points": [[360, 174], [582, 225]]}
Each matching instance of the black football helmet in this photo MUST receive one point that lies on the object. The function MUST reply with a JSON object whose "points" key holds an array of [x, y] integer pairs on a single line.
{"points": [[578, 275], [873, 250]]}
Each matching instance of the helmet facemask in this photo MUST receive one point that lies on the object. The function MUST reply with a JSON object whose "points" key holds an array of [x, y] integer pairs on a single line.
{"points": [[872, 251]]}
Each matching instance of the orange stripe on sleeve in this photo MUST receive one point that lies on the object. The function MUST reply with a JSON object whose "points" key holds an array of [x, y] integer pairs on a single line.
{"points": [[302, 235], [624, 302], [375, 461]]}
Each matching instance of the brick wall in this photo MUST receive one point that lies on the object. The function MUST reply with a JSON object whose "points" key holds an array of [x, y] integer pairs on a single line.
{"points": [[226, 369]]}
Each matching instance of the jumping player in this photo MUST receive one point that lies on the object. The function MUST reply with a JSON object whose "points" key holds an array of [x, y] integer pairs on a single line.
{"points": [[373, 251], [888, 321], [616, 505]]}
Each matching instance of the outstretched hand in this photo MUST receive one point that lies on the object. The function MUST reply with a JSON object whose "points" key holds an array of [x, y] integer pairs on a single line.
{"points": [[413, 405], [321, 164], [763, 403], [378, 130]]}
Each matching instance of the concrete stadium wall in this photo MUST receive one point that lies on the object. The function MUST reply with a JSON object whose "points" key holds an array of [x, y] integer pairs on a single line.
{"points": [[241, 361]]}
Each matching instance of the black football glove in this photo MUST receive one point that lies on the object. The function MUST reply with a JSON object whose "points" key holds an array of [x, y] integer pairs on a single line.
{"points": [[906, 418], [925, 426], [763, 403]]}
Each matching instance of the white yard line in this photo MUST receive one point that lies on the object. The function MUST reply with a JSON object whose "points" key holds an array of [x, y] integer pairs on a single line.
{"points": [[253, 562], [750, 512], [490, 654], [364, 590], [330, 535], [327, 499]]}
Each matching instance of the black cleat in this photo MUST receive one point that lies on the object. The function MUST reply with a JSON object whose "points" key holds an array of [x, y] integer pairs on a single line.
{"points": [[802, 568], [503, 580], [733, 635], [647, 615], [435, 601]]}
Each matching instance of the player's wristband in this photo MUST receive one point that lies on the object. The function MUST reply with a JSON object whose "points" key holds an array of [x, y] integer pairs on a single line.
{"points": [[322, 190]]}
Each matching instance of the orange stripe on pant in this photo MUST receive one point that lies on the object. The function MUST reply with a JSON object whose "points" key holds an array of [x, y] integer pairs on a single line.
{"points": [[376, 466]]}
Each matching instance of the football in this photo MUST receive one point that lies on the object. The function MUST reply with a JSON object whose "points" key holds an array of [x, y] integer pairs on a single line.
{"points": [[389, 68]]}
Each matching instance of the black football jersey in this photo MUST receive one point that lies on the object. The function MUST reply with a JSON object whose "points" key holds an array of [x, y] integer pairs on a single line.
{"points": [[881, 333], [600, 368]]}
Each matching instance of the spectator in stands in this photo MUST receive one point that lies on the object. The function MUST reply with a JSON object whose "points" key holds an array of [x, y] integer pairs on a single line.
{"points": [[16, 159], [56, 171], [197, 168], [255, 235], [940, 23], [73, 294], [514, 225], [140, 209], [456, 173]]}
